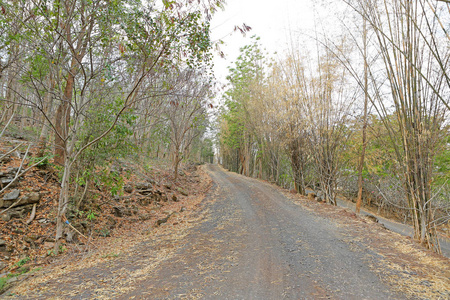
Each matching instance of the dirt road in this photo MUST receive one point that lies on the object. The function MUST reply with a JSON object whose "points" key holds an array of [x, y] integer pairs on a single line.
{"points": [[254, 243], [259, 245]]}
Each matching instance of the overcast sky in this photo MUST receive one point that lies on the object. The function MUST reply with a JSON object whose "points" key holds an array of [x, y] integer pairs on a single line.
{"points": [[270, 20]]}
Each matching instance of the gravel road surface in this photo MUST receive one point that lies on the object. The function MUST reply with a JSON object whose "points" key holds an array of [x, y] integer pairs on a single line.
{"points": [[251, 240], [257, 244]]}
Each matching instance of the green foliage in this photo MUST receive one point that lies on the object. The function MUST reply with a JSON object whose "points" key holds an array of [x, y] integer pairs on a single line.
{"points": [[442, 164], [110, 255], [20, 271], [44, 161], [248, 70], [90, 215], [22, 262], [95, 162], [207, 151], [104, 232]]}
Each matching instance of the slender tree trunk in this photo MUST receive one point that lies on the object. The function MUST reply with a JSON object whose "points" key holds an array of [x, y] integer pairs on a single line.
{"points": [[62, 204], [45, 126], [364, 127], [63, 119]]}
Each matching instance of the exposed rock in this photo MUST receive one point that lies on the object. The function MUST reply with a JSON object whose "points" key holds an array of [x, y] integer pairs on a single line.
{"points": [[6, 159], [12, 171], [2, 243], [119, 198], [372, 218], [164, 198], [143, 186], [13, 195], [121, 211], [319, 197], [2, 265], [146, 217], [30, 198], [6, 180], [128, 188], [183, 209], [12, 279], [163, 220], [16, 213], [311, 195], [30, 239], [117, 211], [145, 192], [111, 222], [145, 201], [48, 245]]}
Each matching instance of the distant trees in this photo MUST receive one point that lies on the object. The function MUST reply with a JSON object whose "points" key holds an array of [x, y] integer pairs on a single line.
{"points": [[367, 113], [293, 116], [185, 113]]}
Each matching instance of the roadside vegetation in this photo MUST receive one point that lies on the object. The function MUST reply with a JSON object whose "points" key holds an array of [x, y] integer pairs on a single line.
{"points": [[363, 115], [98, 99]]}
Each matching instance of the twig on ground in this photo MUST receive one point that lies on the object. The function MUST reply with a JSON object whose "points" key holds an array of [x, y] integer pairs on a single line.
{"points": [[10, 151], [32, 216]]}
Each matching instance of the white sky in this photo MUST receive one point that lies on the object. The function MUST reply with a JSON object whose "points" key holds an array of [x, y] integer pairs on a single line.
{"points": [[271, 20]]}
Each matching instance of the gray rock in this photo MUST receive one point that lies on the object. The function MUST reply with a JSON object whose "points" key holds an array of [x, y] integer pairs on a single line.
{"points": [[143, 186], [128, 188], [145, 201], [16, 213], [2, 243], [121, 211], [2, 265], [145, 192], [30, 198], [6, 180], [6, 159], [12, 279], [12, 171], [162, 221], [319, 197], [13, 195]]}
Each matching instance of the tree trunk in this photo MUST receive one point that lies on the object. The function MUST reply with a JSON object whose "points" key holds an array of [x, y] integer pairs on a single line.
{"points": [[62, 204], [45, 126], [62, 120], [364, 127]]}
